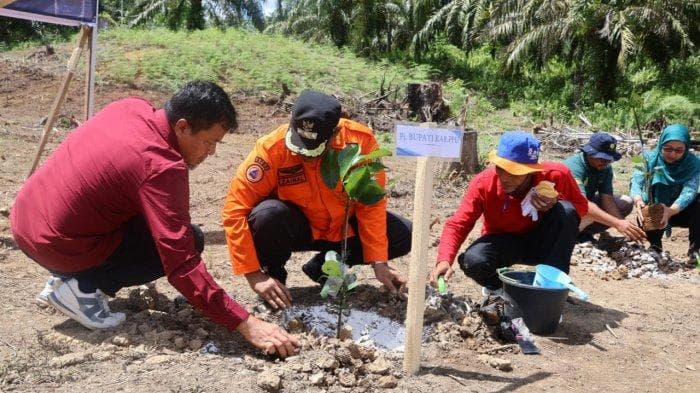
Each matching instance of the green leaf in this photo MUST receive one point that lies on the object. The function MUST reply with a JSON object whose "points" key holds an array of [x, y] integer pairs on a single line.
{"points": [[356, 181], [347, 158], [375, 167], [637, 160], [332, 269], [329, 168], [381, 152], [371, 193]]}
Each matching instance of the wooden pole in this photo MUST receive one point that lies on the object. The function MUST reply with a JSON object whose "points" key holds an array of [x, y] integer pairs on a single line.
{"points": [[417, 269], [58, 101], [90, 72]]}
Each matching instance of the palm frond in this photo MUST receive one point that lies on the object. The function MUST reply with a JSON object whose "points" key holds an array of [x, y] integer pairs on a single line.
{"points": [[150, 8]]}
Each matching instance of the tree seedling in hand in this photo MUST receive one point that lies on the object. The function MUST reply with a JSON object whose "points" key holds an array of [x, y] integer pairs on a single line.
{"points": [[654, 211]]}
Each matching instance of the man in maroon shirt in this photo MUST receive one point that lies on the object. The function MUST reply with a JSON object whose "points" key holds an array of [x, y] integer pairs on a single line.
{"points": [[502, 195], [110, 209]]}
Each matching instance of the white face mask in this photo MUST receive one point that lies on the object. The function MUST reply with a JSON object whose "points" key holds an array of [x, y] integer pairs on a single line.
{"points": [[301, 151]]}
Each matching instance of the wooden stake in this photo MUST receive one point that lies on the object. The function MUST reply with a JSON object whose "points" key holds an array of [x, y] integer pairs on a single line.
{"points": [[90, 72], [58, 101], [417, 269]]}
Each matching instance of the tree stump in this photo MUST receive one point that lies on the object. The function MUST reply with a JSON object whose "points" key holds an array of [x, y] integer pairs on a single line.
{"points": [[469, 158], [425, 100]]}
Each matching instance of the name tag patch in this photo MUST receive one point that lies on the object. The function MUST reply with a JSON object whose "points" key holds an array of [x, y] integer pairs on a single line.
{"points": [[290, 176]]}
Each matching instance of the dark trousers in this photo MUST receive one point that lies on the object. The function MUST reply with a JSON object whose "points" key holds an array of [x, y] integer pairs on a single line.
{"points": [[687, 218], [550, 243], [279, 228], [623, 206], [136, 261]]}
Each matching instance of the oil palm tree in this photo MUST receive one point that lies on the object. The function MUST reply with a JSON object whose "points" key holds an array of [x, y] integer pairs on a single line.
{"points": [[316, 20], [460, 21], [598, 37], [369, 26], [196, 14]]}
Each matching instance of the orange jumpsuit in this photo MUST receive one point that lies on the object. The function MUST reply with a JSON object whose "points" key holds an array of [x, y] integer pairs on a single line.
{"points": [[271, 170]]}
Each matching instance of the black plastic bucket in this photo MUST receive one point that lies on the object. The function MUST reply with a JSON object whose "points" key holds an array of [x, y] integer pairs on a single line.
{"points": [[540, 308]]}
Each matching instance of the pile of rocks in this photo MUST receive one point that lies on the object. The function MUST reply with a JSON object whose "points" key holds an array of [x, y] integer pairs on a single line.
{"points": [[328, 362], [453, 319], [630, 260]]}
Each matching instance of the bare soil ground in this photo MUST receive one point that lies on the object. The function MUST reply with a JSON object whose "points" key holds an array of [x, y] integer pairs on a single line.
{"points": [[634, 335]]}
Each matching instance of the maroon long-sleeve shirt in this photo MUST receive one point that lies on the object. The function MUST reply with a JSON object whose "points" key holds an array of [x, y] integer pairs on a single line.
{"points": [[70, 214], [501, 211]]}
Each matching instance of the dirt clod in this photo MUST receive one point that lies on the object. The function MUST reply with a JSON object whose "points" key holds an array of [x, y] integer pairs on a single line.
{"points": [[380, 366], [327, 361], [387, 382], [157, 359], [269, 381], [317, 379], [201, 332], [195, 344], [180, 342], [69, 359], [345, 333], [121, 339], [501, 364], [361, 352], [347, 379]]}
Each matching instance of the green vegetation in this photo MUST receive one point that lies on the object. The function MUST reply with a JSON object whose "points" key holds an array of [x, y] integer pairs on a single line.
{"points": [[544, 59], [241, 60], [18, 33]]}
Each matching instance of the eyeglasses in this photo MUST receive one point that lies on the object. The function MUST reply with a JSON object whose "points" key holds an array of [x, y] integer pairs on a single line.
{"points": [[668, 149]]}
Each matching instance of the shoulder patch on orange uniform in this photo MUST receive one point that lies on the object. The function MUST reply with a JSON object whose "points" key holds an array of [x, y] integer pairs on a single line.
{"points": [[254, 173], [263, 164]]}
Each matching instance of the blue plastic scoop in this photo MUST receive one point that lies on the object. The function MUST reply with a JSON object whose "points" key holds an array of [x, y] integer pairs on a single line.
{"points": [[550, 277]]}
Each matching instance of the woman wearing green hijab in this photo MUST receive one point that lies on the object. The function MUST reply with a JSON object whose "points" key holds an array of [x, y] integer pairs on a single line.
{"points": [[674, 185]]}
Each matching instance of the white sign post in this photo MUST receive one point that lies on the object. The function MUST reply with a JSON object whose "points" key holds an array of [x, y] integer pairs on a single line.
{"points": [[428, 144]]}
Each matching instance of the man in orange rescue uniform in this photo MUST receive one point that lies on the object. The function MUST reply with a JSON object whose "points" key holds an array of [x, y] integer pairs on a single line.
{"points": [[278, 203]]}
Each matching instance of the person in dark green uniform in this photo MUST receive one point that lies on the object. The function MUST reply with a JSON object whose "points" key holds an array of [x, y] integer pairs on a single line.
{"points": [[594, 175]]}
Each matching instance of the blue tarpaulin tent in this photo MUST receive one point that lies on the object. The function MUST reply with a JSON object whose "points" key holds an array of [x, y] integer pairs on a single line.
{"points": [[66, 12]]}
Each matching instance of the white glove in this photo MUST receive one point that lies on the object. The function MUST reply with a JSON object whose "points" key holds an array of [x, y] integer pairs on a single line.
{"points": [[526, 206]]}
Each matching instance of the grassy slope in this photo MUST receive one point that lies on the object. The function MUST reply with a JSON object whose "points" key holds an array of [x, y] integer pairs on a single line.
{"points": [[253, 62], [239, 60]]}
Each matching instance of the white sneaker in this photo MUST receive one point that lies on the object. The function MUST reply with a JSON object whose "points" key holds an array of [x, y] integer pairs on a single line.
{"points": [[492, 292], [51, 284], [89, 309]]}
